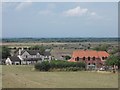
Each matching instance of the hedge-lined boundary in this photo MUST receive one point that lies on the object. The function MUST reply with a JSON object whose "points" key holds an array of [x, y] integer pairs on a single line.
{"points": [[60, 65]]}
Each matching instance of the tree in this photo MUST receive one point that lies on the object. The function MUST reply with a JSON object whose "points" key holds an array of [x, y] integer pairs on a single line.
{"points": [[67, 57], [0, 52], [114, 51], [43, 66], [41, 48], [5, 52], [118, 63], [36, 47], [113, 61], [103, 47]]}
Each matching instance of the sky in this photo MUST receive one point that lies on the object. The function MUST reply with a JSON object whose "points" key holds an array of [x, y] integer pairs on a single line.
{"points": [[60, 19]]}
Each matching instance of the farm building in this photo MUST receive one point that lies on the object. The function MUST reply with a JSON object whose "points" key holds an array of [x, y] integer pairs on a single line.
{"points": [[28, 57], [13, 60], [92, 58], [16, 60]]}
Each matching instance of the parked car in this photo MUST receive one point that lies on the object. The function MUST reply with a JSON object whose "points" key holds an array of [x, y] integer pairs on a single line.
{"points": [[102, 69]]}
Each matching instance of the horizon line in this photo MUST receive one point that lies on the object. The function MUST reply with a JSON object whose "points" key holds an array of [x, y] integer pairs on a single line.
{"points": [[53, 37]]}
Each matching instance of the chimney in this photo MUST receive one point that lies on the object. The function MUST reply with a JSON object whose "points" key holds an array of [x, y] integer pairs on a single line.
{"points": [[22, 49], [19, 52]]}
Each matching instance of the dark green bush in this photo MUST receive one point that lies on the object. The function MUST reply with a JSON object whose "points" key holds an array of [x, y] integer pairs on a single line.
{"points": [[60, 65], [44, 66], [37, 65]]}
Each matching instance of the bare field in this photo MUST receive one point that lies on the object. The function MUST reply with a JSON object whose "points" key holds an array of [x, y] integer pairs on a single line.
{"points": [[27, 77]]}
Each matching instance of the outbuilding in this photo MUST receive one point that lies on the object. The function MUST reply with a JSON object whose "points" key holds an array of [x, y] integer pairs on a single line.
{"points": [[13, 60]]}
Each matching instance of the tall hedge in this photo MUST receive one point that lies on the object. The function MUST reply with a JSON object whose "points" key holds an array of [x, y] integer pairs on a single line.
{"points": [[58, 64], [44, 66]]}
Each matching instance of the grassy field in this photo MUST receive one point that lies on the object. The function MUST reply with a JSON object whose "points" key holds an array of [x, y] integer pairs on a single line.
{"points": [[0, 76], [27, 77]]}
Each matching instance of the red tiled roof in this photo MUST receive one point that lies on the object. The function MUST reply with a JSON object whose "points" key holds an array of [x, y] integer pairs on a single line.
{"points": [[103, 54], [89, 53]]}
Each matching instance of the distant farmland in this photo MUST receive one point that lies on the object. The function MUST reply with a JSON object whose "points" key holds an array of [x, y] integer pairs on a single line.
{"points": [[69, 39]]}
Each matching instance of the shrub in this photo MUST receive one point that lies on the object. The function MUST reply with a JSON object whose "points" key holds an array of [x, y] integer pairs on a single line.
{"points": [[72, 69], [44, 66], [60, 65], [37, 66]]}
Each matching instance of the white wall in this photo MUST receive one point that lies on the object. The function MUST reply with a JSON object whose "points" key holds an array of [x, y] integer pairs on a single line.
{"points": [[8, 61]]}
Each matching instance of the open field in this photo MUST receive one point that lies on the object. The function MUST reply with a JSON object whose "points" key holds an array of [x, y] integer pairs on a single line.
{"points": [[0, 76], [27, 77]]}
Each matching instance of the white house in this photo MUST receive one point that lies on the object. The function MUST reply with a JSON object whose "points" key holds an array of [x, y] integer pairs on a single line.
{"points": [[28, 57], [13, 60]]}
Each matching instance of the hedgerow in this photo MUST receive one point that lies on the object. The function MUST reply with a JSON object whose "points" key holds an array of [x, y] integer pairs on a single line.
{"points": [[60, 65]]}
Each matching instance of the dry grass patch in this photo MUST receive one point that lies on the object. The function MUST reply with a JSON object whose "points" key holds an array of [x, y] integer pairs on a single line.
{"points": [[26, 77]]}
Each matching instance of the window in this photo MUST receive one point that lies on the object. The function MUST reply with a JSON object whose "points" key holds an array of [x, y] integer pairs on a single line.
{"points": [[88, 58], [93, 58], [103, 58], [88, 63], [77, 58], [26, 56], [83, 58], [94, 64], [16, 63]]}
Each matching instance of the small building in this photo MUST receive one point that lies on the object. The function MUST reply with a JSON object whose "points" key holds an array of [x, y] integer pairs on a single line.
{"points": [[13, 60], [34, 54], [92, 58]]}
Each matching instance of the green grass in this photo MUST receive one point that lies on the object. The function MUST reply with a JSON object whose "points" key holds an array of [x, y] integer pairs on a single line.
{"points": [[0, 76], [27, 77]]}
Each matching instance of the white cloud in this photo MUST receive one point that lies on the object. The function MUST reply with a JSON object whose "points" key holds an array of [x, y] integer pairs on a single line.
{"points": [[23, 5], [76, 11]]}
